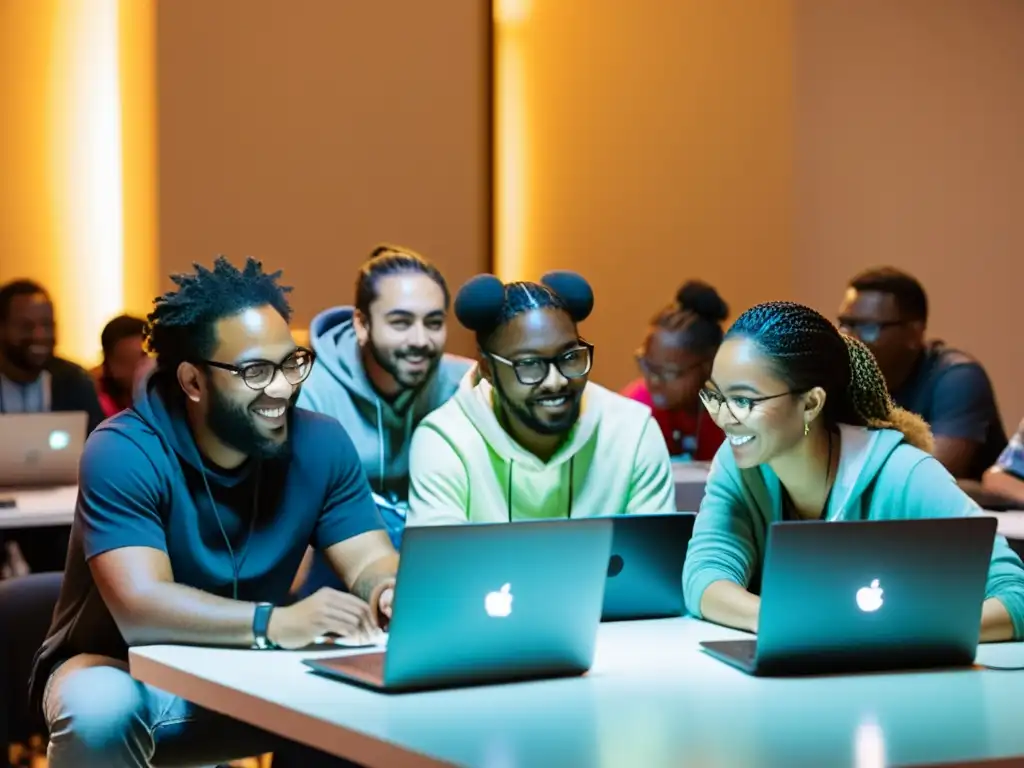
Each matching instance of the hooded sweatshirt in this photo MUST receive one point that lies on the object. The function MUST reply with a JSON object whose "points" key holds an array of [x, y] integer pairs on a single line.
{"points": [[380, 429], [144, 483], [466, 467], [879, 477]]}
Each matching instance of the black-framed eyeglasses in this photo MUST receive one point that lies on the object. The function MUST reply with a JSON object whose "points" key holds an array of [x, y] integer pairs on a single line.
{"points": [[867, 331], [572, 364], [740, 407], [659, 374], [257, 374]]}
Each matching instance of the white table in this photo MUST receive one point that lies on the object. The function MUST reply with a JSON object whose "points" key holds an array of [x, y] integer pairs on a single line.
{"points": [[1011, 524], [652, 699], [690, 477], [38, 507]]}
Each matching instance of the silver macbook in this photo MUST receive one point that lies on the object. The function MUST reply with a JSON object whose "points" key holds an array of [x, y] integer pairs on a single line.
{"points": [[868, 595], [645, 570], [488, 603], [40, 449]]}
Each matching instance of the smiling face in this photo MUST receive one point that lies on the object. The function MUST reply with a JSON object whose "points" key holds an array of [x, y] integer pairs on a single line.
{"points": [[761, 417], [550, 406], [673, 372], [406, 330], [28, 336], [253, 422]]}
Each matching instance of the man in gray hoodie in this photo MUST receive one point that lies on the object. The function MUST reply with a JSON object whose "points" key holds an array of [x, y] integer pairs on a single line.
{"points": [[381, 368]]}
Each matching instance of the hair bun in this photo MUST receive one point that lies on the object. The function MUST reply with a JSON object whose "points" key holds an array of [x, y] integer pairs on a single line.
{"points": [[703, 300], [573, 289], [478, 303]]}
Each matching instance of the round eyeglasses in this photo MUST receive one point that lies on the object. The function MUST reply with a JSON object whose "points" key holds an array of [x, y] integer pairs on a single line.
{"points": [[739, 407], [257, 374], [573, 364]]}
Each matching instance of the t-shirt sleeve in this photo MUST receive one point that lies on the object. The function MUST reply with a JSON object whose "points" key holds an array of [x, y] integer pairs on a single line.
{"points": [[1011, 460], [119, 496], [963, 404], [349, 509]]}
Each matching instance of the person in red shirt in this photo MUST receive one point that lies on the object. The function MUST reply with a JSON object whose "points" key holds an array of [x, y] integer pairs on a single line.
{"points": [[123, 353], [675, 360]]}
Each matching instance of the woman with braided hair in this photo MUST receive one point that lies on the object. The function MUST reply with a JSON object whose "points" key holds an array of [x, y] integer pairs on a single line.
{"points": [[812, 434]]}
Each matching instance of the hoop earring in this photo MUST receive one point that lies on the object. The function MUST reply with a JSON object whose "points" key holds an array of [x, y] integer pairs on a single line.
{"points": [[807, 429]]}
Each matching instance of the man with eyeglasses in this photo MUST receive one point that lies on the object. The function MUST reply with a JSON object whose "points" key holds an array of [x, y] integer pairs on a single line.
{"points": [[888, 310], [195, 507], [533, 439]]}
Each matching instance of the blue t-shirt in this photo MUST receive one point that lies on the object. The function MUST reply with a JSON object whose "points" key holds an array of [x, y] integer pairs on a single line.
{"points": [[141, 484], [951, 391]]}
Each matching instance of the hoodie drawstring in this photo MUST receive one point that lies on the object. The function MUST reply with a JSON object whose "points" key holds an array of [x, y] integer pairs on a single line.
{"points": [[380, 444], [568, 514]]}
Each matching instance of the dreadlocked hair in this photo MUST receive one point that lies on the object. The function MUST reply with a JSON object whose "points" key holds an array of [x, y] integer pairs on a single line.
{"points": [[182, 326], [807, 351], [484, 304]]}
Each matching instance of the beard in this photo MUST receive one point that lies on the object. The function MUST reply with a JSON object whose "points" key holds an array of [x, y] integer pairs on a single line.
{"points": [[524, 413], [390, 362], [235, 426], [20, 358]]}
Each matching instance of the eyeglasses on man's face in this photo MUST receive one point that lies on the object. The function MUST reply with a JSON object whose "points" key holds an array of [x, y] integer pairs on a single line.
{"points": [[572, 364], [257, 374]]}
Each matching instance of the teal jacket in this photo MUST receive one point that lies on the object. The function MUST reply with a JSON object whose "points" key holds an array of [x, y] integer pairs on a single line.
{"points": [[880, 477]]}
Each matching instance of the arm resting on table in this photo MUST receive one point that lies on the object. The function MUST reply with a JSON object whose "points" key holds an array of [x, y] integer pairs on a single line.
{"points": [[137, 585], [726, 602]]}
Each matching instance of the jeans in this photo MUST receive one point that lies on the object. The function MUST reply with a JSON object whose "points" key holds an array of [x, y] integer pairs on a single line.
{"points": [[100, 716]]}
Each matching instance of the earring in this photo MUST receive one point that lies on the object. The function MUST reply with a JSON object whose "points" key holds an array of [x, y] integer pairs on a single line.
{"points": [[807, 429]]}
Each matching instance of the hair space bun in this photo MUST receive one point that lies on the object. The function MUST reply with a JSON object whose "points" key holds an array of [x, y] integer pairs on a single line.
{"points": [[574, 291], [703, 300], [478, 302]]}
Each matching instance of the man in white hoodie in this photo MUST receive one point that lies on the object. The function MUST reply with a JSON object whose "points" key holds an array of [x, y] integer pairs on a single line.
{"points": [[381, 368], [534, 439]]}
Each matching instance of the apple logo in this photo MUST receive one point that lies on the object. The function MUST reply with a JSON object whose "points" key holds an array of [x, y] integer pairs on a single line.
{"points": [[59, 440], [869, 599], [499, 604], [615, 565]]}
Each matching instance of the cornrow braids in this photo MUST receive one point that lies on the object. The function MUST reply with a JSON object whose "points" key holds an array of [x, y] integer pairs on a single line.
{"points": [[870, 399], [181, 326], [806, 351], [485, 304]]}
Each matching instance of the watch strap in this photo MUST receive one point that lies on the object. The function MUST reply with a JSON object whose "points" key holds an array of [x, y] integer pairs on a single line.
{"points": [[260, 625]]}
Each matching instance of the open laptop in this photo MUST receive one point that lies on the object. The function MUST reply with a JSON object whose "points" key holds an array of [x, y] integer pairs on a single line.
{"points": [[488, 603], [868, 595], [41, 449], [645, 570]]}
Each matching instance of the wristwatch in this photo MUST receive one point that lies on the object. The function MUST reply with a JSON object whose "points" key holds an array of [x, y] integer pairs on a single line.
{"points": [[260, 624]]}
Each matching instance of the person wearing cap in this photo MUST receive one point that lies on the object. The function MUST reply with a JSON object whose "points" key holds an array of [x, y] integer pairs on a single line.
{"points": [[533, 438]]}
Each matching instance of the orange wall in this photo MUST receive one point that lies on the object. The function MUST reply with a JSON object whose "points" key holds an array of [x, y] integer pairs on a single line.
{"points": [[305, 132], [28, 242], [774, 149], [909, 118], [76, 160], [658, 147]]}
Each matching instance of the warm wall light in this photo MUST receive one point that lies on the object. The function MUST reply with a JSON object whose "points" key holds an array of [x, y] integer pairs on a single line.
{"points": [[510, 141], [86, 172]]}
